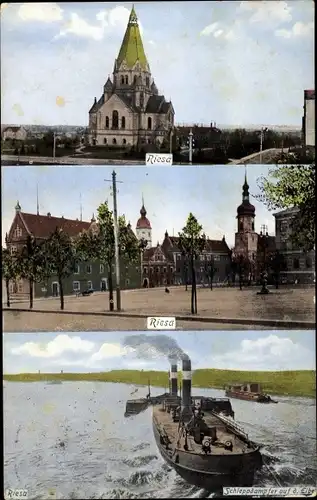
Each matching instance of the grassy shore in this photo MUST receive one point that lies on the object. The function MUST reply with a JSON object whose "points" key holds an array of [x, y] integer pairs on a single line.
{"points": [[293, 383]]}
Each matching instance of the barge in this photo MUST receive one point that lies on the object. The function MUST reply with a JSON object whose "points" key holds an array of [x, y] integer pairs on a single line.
{"points": [[248, 392]]}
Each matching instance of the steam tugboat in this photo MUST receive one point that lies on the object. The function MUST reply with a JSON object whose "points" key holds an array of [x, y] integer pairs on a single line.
{"points": [[198, 437], [248, 392]]}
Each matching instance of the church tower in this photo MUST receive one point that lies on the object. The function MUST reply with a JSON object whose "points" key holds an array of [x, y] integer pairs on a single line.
{"points": [[143, 227], [131, 73], [246, 239]]}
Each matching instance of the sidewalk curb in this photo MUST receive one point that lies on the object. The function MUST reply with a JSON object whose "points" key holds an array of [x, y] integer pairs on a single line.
{"points": [[308, 325]]}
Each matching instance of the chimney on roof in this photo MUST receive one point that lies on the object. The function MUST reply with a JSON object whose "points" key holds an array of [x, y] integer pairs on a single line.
{"points": [[48, 214], [223, 238], [95, 101]]}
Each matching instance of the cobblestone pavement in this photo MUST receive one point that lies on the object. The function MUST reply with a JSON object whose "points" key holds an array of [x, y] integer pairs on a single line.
{"points": [[288, 304]]}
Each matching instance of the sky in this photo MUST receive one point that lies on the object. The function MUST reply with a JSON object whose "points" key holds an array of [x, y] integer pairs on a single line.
{"points": [[89, 352], [233, 63], [212, 194]]}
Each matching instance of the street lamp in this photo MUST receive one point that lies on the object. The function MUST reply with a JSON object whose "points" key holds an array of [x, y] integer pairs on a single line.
{"points": [[264, 274]]}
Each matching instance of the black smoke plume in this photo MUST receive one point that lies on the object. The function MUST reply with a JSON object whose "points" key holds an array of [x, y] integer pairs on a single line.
{"points": [[150, 346]]}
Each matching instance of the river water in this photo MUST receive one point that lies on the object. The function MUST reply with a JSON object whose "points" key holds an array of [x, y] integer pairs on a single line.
{"points": [[72, 441]]}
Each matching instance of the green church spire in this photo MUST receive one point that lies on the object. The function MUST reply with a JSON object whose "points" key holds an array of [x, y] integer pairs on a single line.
{"points": [[132, 49]]}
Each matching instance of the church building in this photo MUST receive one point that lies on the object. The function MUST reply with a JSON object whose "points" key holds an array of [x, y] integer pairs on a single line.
{"points": [[130, 112], [246, 239]]}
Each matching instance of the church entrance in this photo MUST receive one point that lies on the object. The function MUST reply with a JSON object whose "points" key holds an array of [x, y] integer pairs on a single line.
{"points": [[146, 283]]}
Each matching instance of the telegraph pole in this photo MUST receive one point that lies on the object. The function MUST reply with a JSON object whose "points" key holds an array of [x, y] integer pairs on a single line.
{"points": [[190, 158], [54, 145], [261, 144], [116, 240]]}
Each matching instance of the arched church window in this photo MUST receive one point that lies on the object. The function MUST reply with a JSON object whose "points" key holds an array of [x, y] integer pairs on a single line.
{"points": [[241, 226], [126, 79], [141, 99], [124, 141], [115, 119], [134, 79], [114, 141], [252, 226], [147, 80], [123, 122], [105, 140], [122, 79], [149, 123], [107, 121], [296, 263]]}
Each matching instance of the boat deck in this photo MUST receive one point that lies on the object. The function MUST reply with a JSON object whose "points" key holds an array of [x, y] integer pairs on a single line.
{"points": [[166, 425]]}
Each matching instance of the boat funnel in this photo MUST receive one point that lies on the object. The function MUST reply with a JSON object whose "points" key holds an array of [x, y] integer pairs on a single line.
{"points": [[173, 378], [187, 389]]}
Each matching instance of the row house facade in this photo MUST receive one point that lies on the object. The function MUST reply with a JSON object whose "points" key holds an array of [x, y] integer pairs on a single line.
{"points": [[166, 265], [87, 275], [300, 265]]}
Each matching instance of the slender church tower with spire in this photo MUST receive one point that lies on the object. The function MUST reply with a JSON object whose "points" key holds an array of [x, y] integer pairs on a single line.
{"points": [[246, 239], [130, 111], [143, 228]]}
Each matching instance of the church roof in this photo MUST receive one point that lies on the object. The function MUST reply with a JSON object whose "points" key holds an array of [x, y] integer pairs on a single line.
{"points": [[132, 50], [97, 105], [143, 222], [157, 104], [246, 208], [108, 85]]}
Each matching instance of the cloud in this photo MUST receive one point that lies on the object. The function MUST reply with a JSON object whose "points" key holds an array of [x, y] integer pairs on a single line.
{"points": [[55, 347], [217, 30], [267, 11], [298, 30], [107, 21], [272, 351], [79, 27], [108, 350], [40, 12]]}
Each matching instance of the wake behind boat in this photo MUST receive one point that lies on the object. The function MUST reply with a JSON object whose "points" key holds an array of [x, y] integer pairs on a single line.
{"points": [[198, 437]]}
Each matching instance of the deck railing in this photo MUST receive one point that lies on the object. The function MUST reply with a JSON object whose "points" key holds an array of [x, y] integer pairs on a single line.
{"points": [[231, 424]]}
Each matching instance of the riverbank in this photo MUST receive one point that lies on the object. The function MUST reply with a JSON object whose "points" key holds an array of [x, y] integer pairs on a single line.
{"points": [[291, 383]]}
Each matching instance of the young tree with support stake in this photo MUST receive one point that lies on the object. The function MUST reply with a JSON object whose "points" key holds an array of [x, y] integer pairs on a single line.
{"points": [[240, 265], [9, 270], [61, 258], [31, 264], [98, 243], [192, 243], [210, 270]]}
